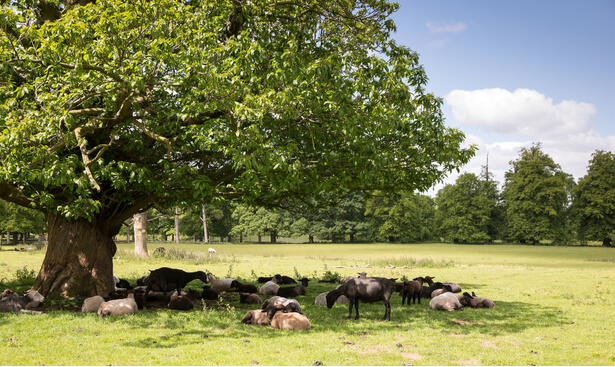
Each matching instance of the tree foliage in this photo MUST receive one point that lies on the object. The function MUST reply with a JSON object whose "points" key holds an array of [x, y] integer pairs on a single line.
{"points": [[110, 108], [408, 217], [14, 218], [536, 196], [594, 200], [107, 105], [468, 210]]}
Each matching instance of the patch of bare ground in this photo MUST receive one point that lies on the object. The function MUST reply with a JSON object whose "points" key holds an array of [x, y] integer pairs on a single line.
{"points": [[463, 322], [373, 350], [467, 362], [414, 356], [488, 344]]}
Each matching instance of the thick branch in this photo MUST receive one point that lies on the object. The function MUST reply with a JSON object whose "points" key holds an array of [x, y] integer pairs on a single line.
{"points": [[10, 193], [86, 111], [159, 138]]}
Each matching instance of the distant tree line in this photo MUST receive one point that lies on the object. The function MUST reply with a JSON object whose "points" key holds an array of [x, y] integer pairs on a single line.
{"points": [[537, 202]]}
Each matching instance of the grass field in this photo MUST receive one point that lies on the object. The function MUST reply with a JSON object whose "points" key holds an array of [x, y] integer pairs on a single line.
{"points": [[554, 306]]}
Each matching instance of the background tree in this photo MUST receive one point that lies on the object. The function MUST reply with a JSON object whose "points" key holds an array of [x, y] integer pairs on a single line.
{"points": [[140, 231], [110, 108], [349, 217], [190, 225], [20, 220], [536, 197], [245, 221], [160, 224], [594, 200], [400, 219], [467, 210], [343, 221], [219, 219]]}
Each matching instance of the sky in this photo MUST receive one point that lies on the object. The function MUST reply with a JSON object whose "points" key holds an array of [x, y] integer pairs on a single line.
{"points": [[515, 73]]}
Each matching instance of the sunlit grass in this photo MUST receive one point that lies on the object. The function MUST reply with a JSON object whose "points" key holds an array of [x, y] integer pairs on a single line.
{"points": [[554, 306]]}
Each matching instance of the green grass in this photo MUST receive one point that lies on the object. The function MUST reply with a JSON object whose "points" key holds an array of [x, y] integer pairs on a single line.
{"points": [[554, 306]]}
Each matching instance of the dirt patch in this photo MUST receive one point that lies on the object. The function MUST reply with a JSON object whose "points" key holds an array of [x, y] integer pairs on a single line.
{"points": [[463, 322], [373, 350], [456, 335], [488, 344], [414, 356], [467, 362]]}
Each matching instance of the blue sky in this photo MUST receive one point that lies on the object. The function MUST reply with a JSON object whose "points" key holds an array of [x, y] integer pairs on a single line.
{"points": [[516, 72]]}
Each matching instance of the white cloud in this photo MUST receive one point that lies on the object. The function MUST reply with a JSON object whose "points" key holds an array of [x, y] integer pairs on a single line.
{"points": [[446, 27], [523, 113], [572, 153], [520, 119]]}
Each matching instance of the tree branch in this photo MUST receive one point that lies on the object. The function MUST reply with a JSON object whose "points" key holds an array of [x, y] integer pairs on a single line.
{"points": [[159, 138], [86, 111]]}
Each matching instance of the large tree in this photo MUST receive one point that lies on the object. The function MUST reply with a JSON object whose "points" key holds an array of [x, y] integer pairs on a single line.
{"points": [[536, 198], [109, 108], [594, 200], [468, 210], [408, 217]]}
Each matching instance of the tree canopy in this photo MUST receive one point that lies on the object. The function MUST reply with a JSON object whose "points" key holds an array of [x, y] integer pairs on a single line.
{"points": [[536, 197], [110, 108], [467, 211], [594, 200]]}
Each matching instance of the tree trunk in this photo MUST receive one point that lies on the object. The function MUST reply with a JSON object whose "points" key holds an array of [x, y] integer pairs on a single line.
{"points": [[78, 261], [176, 224], [140, 220], [606, 242], [311, 239], [204, 219], [128, 231]]}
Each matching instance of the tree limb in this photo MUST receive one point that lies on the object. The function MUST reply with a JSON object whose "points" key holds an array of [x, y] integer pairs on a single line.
{"points": [[159, 138]]}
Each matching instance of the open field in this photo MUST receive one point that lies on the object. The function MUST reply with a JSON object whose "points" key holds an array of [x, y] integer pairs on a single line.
{"points": [[554, 306]]}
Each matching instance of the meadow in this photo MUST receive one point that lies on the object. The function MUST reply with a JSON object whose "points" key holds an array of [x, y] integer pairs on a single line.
{"points": [[554, 306]]}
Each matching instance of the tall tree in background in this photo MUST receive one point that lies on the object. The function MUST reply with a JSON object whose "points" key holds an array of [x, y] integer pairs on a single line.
{"points": [[536, 197], [594, 200], [109, 108], [340, 222], [245, 221], [219, 219], [16, 219], [400, 219], [467, 210]]}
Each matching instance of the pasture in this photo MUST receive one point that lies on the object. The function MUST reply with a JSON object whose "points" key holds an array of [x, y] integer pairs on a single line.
{"points": [[554, 306]]}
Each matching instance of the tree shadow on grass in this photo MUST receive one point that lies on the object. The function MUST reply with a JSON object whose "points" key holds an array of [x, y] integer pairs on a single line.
{"points": [[507, 317]]}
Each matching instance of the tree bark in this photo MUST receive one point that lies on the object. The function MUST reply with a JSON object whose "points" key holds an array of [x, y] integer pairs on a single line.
{"points": [[78, 261], [128, 231], [204, 219], [177, 225], [140, 220]]}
